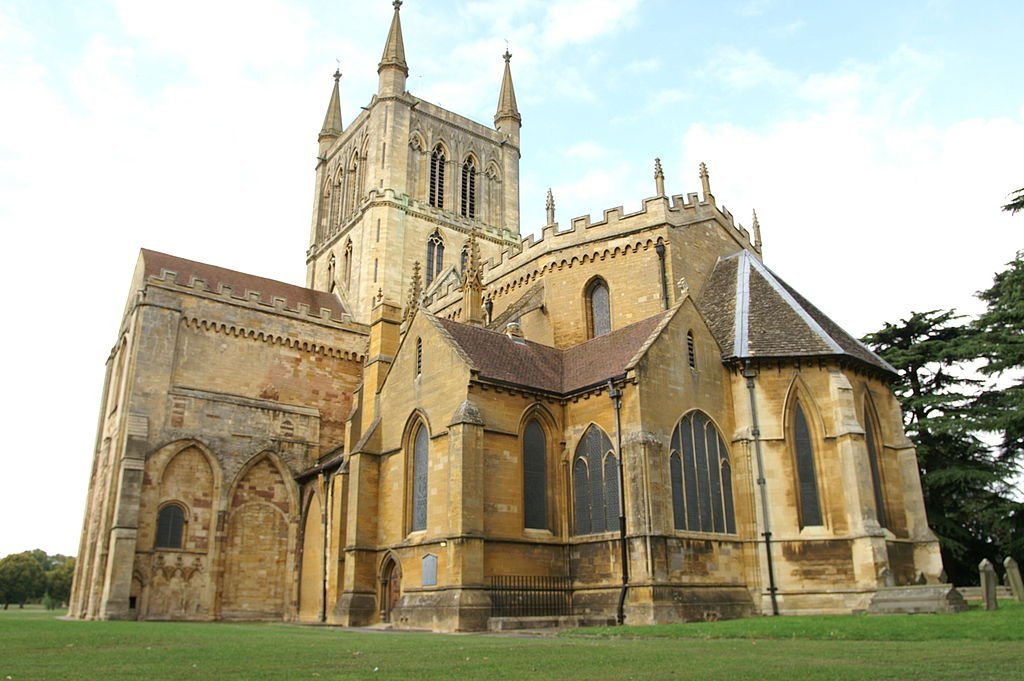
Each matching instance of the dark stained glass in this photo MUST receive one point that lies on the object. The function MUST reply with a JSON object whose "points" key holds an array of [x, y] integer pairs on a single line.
{"points": [[535, 477], [420, 467], [875, 464], [437, 161], [591, 483], [702, 498], [678, 505], [807, 481], [600, 309], [581, 487], [170, 526]]}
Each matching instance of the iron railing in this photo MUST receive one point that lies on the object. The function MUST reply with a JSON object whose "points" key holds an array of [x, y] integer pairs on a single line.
{"points": [[530, 596]]}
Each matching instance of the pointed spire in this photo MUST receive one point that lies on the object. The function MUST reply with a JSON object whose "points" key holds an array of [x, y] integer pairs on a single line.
{"points": [[507, 107], [332, 121], [393, 69], [705, 183], [659, 178], [549, 206], [757, 233]]}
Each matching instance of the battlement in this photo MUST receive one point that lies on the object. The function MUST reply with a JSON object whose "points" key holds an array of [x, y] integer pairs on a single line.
{"points": [[248, 290], [675, 211]]}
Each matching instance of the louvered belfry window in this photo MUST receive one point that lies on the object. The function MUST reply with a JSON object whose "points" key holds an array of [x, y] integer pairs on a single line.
{"points": [[701, 477], [467, 207], [437, 161], [420, 471], [535, 477], [595, 484], [806, 477]]}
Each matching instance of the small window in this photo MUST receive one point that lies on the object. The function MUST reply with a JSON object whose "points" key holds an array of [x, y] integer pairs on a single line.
{"points": [[419, 357], [806, 477], [348, 262], [170, 527], [437, 161], [331, 270], [599, 318], [691, 352], [420, 473]]}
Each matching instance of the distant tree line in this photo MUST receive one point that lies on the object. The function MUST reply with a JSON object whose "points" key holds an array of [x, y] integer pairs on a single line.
{"points": [[961, 385], [33, 576]]}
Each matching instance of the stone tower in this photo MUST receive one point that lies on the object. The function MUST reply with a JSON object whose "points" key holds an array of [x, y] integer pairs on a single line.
{"points": [[409, 182]]}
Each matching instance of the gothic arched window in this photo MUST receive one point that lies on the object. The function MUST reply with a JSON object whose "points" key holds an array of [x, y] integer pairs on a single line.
{"points": [[467, 203], [331, 272], [435, 256], [599, 317], [870, 428], [701, 477], [170, 527], [535, 477], [595, 471], [420, 469], [806, 477], [437, 161]]}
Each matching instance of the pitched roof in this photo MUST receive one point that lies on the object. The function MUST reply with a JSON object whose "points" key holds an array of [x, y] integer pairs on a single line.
{"points": [[241, 284], [515, 361], [753, 313]]}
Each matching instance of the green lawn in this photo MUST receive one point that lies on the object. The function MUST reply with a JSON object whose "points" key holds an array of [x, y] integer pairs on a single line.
{"points": [[974, 645]]}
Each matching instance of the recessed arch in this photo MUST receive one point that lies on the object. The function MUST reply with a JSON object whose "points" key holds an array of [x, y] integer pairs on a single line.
{"points": [[595, 483], [804, 430], [700, 473], [876, 465]]}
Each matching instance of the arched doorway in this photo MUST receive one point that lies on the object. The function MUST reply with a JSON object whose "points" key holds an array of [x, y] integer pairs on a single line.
{"points": [[391, 587]]}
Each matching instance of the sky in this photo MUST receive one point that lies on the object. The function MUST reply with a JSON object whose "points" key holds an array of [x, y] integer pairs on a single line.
{"points": [[876, 140]]}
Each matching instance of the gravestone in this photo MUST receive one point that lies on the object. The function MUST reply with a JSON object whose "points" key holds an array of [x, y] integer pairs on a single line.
{"points": [[1013, 577], [989, 582]]}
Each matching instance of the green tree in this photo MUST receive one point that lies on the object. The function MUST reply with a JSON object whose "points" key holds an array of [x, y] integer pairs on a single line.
{"points": [[1000, 342], [58, 580], [21, 578], [1016, 201], [960, 475]]}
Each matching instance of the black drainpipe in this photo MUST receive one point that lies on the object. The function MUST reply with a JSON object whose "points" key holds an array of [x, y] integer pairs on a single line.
{"points": [[749, 373], [660, 250], [616, 396]]}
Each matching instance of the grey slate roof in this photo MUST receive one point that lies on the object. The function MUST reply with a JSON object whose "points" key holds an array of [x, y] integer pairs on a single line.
{"points": [[755, 314]]}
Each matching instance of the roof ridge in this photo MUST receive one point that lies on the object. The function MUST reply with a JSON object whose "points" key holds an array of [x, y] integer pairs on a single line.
{"points": [[784, 293], [667, 316]]}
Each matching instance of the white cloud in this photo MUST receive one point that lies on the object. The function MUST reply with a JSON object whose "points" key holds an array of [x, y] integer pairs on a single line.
{"points": [[586, 150], [570, 22], [743, 69]]}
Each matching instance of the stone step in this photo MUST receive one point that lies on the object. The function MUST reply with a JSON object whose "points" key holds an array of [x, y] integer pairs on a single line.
{"points": [[562, 622], [973, 593]]}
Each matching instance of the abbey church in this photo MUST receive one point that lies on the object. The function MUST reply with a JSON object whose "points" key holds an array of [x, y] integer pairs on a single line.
{"points": [[452, 427]]}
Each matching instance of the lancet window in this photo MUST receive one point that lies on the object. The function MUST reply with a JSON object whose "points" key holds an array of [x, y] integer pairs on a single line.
{"points": [[875, 464], [806, 476], [598, 304], [420, 472], [535, 477]]}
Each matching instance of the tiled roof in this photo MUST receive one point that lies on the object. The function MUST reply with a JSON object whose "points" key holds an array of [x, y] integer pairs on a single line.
{"points": [[520, 362], [752, 313], [241, 284]]}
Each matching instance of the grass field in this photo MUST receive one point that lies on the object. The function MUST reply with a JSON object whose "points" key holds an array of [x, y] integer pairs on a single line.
{"points": [[975, 645]]}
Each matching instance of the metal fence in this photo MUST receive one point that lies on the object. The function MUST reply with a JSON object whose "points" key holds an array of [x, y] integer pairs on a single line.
{"points": [[530, 596]]}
